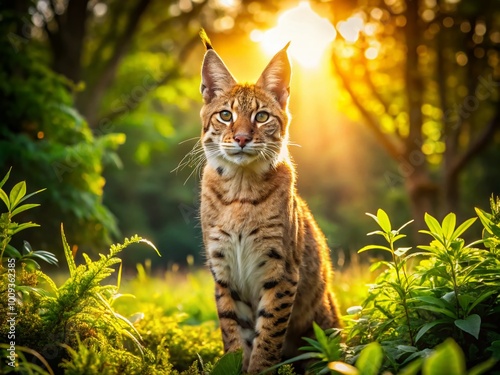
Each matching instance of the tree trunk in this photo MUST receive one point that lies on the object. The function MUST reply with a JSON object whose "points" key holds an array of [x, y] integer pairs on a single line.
{"points": [[67, 40], [89, 101], [424, 196], [421, 190]]}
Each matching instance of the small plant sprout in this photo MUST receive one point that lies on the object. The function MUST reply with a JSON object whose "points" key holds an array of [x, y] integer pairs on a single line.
{"points": [[403, 284], [9, 228]]}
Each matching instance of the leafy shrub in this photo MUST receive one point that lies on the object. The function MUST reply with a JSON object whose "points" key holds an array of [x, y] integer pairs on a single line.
{"points": [[77, 327], [450, 291], [39, 126]]}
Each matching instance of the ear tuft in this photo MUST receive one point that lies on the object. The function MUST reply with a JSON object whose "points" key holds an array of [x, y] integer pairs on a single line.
{"points": [[206, 40], [276, 77]]}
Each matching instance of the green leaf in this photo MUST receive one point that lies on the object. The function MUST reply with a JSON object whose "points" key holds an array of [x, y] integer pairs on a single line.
{"points": [[404, 225], [480, 299], [30, 195], [431, 249], [407, 348], [372, 247], [471, 325], [48, 280], [343, 368], [447, 359], [413, 368], [17, 193], [353, 310], [483, 367], [443, 311], [71, 112], [149, 243], [32, 262], [431, 300], [373, 217], [5, 199], [23, 226], [12, 252], [6, 177], [433, 224], [448, 225], [465, 300], [400, 251], [485, 219], [383, 220], [68, 253], [463, 227], [427, 326], [370, 359], [320, 335], [24, 207], [495, 349], [27, 247], [398, 237], [313, 343], [45, 256]]}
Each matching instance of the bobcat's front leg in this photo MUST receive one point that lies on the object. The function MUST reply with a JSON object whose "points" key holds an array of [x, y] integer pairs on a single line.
{"points": [[273, 316], [227, 317]]}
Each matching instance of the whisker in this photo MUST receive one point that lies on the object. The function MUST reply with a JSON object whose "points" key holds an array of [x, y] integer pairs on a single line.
{"points": [[188, 140], [192, 158], [294, 144]]}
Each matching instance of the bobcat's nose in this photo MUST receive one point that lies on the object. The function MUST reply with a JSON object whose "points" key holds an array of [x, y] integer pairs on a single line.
{"points": [[242, 139]]}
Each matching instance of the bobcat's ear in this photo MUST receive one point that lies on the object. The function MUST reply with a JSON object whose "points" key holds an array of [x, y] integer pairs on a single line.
{"points": [[276, 77], [215, 77]]}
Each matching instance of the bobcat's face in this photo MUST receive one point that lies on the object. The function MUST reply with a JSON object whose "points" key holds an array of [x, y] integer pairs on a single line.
{"points": [[245, 125]]}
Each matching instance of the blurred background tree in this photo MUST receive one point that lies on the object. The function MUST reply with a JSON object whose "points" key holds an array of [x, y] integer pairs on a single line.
{"points": [[424, 75], [80, 77], [48, 143]]}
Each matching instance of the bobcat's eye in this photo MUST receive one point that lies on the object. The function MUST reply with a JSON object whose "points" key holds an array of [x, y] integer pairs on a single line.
{"points": [[225, 115], [262, 116]]}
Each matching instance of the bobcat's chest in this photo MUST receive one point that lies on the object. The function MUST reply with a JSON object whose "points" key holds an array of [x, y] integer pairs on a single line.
{"points": [[241, 219], [236, 257]]}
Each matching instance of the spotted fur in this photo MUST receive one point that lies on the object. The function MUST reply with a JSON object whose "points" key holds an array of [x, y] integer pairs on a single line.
{"points": [[269, 259]]}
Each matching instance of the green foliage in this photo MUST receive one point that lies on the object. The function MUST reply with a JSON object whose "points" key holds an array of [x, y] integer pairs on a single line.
{"points": [[8, 227], [321, 352], [49, 143], [78, 327], [448, 290], [433, 311]]}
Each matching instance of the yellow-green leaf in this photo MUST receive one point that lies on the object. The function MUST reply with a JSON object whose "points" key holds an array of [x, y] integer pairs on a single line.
{"points": [[16, 194]]}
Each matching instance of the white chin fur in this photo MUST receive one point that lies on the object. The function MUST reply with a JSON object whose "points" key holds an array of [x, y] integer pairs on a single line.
{"points": [[238, 162]]}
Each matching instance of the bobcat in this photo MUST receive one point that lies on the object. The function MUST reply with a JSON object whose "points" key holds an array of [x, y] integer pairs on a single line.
{"points": [[269, 259]]}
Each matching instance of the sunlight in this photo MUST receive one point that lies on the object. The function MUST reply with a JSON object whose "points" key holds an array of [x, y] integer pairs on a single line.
{"points": [[350, 28], [309, 33]]}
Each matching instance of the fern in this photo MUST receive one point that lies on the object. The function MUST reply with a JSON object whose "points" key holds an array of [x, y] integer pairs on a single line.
{"points": [[82, 305]]}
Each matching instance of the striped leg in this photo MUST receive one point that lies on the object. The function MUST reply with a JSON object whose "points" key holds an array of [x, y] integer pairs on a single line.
{"points": [[228, 318], [274, 313]]}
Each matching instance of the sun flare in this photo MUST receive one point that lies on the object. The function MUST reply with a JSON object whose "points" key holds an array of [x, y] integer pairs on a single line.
{"points": [[309, 33]]}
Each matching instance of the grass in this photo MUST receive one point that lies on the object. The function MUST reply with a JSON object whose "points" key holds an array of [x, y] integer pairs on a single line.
{"points": [[190, 292]]}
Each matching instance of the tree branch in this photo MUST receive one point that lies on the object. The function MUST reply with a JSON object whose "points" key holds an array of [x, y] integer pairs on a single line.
{"points": [[89, 102], [159, 29], [393, 150], [371, 85], [109, 37], [476, 146], [166, 78]]}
